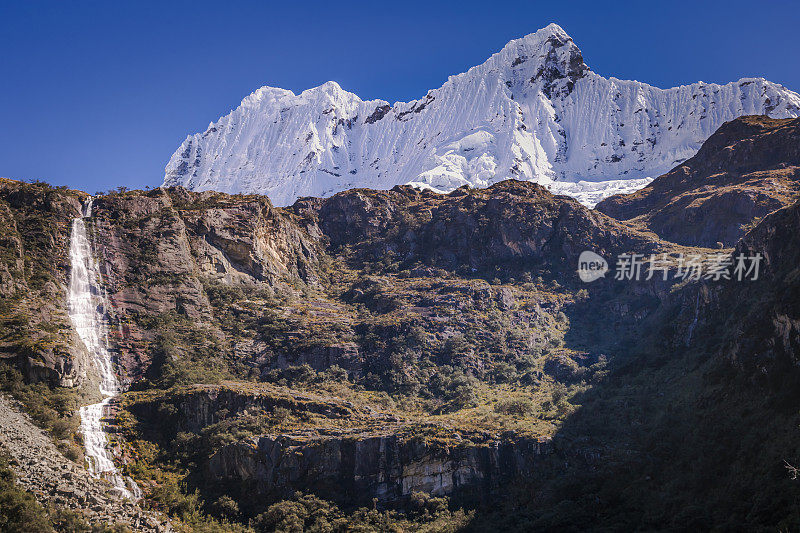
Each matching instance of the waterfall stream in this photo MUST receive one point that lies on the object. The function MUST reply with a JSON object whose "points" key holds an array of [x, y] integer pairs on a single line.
{"points": [[87, 307]]}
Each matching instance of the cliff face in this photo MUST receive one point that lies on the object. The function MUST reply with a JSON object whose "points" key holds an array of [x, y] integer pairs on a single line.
{"points": [[761, 329], [745, 170], [161, 252], [35, 329], [341, 450], [354, 469]]}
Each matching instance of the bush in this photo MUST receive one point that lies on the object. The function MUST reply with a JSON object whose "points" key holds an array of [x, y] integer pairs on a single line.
{"points": [[291, 375], [504, 372], [463, 394], [422, 502], [516, 406], [336, 373], [226, 507], [50, 408]]}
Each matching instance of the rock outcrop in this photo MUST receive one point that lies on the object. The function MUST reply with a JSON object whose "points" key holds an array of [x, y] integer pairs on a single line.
{"points": [[35, 330], [760, 331], [160, 251], [357, 468], [473, 229]]}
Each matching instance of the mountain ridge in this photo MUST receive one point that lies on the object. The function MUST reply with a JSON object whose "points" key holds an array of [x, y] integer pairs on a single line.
{"points": [[532, 111], [748, 168]]}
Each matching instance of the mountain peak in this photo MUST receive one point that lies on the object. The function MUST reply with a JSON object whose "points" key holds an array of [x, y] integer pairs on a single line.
{"points": [[532, 111], [550, 37], [560, 62], [551, 31]]}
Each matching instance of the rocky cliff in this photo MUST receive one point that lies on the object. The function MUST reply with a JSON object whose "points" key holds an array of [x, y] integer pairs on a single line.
{"points": [[161, 252], [760, 331], [35, 330], [264, 287], [473, 230], [342, 450], [353, 469]]}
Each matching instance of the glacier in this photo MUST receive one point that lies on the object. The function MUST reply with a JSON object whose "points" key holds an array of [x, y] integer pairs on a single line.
{"points": [[533, 111]]}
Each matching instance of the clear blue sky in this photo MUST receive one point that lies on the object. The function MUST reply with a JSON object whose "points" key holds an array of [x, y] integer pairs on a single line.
{"points": [[99, 94]]}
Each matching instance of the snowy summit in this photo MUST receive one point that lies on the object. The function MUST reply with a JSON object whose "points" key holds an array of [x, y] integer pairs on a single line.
{"points": [[533, 111]]}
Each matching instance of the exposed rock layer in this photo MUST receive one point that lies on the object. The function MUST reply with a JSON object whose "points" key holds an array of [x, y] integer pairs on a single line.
{"points": [[35, 330], [355, 469]]}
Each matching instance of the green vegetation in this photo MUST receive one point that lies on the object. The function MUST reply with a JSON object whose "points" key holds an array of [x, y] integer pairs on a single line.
{"points": [[52, 408], [19, 511], [309, 513]]}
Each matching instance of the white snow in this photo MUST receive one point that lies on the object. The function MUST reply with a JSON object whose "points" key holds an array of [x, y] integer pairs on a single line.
{"points": [[589, 193], [533, 111]]}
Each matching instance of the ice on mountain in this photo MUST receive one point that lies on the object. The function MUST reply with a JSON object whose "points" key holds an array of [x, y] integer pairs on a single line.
{"points": [[533, 111]]}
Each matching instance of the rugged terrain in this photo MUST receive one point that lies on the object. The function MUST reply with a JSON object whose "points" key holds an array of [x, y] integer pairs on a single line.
{"points": [[747, 169], [406, 359], [60, 483], [533, 111], [35, 332]]}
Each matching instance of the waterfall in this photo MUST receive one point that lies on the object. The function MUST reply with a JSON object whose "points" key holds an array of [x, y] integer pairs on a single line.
{"points": [[87, 307]]}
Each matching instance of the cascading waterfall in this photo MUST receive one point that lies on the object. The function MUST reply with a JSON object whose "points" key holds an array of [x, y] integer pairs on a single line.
{"points": [[87, 312]]}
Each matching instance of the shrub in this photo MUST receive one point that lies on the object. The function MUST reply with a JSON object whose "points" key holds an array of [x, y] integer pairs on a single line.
{"points": [[463, 393], [516, 406], [504, 372], [226, 507]]}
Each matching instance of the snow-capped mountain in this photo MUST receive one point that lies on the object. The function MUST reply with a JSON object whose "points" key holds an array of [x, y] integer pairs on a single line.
{"points": [[533, 111]]}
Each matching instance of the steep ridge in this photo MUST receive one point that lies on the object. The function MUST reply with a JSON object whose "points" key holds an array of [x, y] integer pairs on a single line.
{"points": [[473, 231], [745, 170], [533, 111]]}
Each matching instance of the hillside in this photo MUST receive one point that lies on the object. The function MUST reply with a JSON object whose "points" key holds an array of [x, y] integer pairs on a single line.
{"points": [[409, 359], [747, 169]]}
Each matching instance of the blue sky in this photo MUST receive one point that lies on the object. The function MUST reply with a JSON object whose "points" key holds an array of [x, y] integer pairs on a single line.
{"points": [[94, 95]]}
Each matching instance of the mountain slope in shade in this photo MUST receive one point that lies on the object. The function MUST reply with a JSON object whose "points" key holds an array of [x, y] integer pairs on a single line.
{"points": [[533, 111]]}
